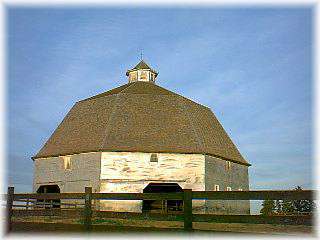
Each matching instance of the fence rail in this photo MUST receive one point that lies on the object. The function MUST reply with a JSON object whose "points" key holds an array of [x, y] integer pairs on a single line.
{"points": [[210, 195], [87, 212]]}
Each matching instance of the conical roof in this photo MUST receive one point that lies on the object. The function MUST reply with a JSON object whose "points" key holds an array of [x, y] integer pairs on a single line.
{"points": [[140, 117], [141, 65]]}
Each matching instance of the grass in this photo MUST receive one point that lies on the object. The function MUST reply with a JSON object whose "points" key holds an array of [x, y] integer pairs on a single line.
{"points": [[144, 222]]}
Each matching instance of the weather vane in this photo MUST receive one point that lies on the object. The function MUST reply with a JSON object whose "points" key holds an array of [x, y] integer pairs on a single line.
{"points": [[141, 55]]}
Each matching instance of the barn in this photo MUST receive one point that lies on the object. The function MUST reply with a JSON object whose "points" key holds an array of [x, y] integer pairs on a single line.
{"points": [[140, 137]]}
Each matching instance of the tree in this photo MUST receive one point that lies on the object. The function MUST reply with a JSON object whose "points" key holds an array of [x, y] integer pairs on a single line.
{"points": [[302, 206], [278, 206], [297, 206], [268, 207], [287, 207]]}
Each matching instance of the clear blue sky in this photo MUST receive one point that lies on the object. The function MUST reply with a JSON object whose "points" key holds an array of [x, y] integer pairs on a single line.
{"points": [[252, 67]]}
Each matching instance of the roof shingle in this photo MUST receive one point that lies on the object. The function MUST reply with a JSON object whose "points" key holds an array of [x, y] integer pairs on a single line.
{"points": [[140, 117]]}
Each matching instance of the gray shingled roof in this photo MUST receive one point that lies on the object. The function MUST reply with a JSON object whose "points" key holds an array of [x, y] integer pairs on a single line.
{"points": [[140, 117]]}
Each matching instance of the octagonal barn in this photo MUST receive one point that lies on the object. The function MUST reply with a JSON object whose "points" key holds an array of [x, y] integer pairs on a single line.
{"points": [[140, 137]]}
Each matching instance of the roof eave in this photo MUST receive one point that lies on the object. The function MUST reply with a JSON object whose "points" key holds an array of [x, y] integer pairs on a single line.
{"points": [[109, 150], [133, 70]]}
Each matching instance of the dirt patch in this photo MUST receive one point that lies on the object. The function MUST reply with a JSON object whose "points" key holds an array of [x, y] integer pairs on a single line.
{"points": [[148, 225]]}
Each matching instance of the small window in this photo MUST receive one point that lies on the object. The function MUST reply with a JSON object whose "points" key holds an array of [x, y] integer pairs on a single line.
{"points": [[143, 75], [67, 162], [240, 189], [133, 76], [228, 165], [228, 188], [216, 187], [154, 157]]}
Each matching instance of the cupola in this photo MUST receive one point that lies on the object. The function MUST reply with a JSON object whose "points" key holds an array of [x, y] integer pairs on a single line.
{"points": [[141, 72]]}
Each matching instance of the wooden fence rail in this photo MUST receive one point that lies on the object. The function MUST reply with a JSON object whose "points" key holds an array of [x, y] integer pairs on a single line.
{"points": [[187, 196]]}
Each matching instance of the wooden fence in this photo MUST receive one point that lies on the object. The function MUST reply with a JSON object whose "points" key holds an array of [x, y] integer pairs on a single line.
{"points": [[86, 210]]}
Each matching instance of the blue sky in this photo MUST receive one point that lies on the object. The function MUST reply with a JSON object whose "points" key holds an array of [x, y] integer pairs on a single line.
{"points": [[251, 66]]}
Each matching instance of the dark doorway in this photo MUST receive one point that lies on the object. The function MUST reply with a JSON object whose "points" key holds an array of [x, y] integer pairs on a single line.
{"points": [[162, 205], [49, 189]]}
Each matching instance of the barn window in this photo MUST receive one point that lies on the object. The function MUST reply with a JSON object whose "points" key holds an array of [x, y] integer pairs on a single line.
{"points": [[228, 188], [216, 187], [67, 162], [154, 157], [228, 165]]}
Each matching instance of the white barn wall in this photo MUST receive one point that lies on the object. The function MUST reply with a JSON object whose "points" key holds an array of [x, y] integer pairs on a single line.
{"points": [[236, 178], [133, 171], [84, 172]]}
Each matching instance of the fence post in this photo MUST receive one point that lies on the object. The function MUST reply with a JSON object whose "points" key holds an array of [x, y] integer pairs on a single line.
{"points": [[187, 209], [10, 198], [87, 209]]}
